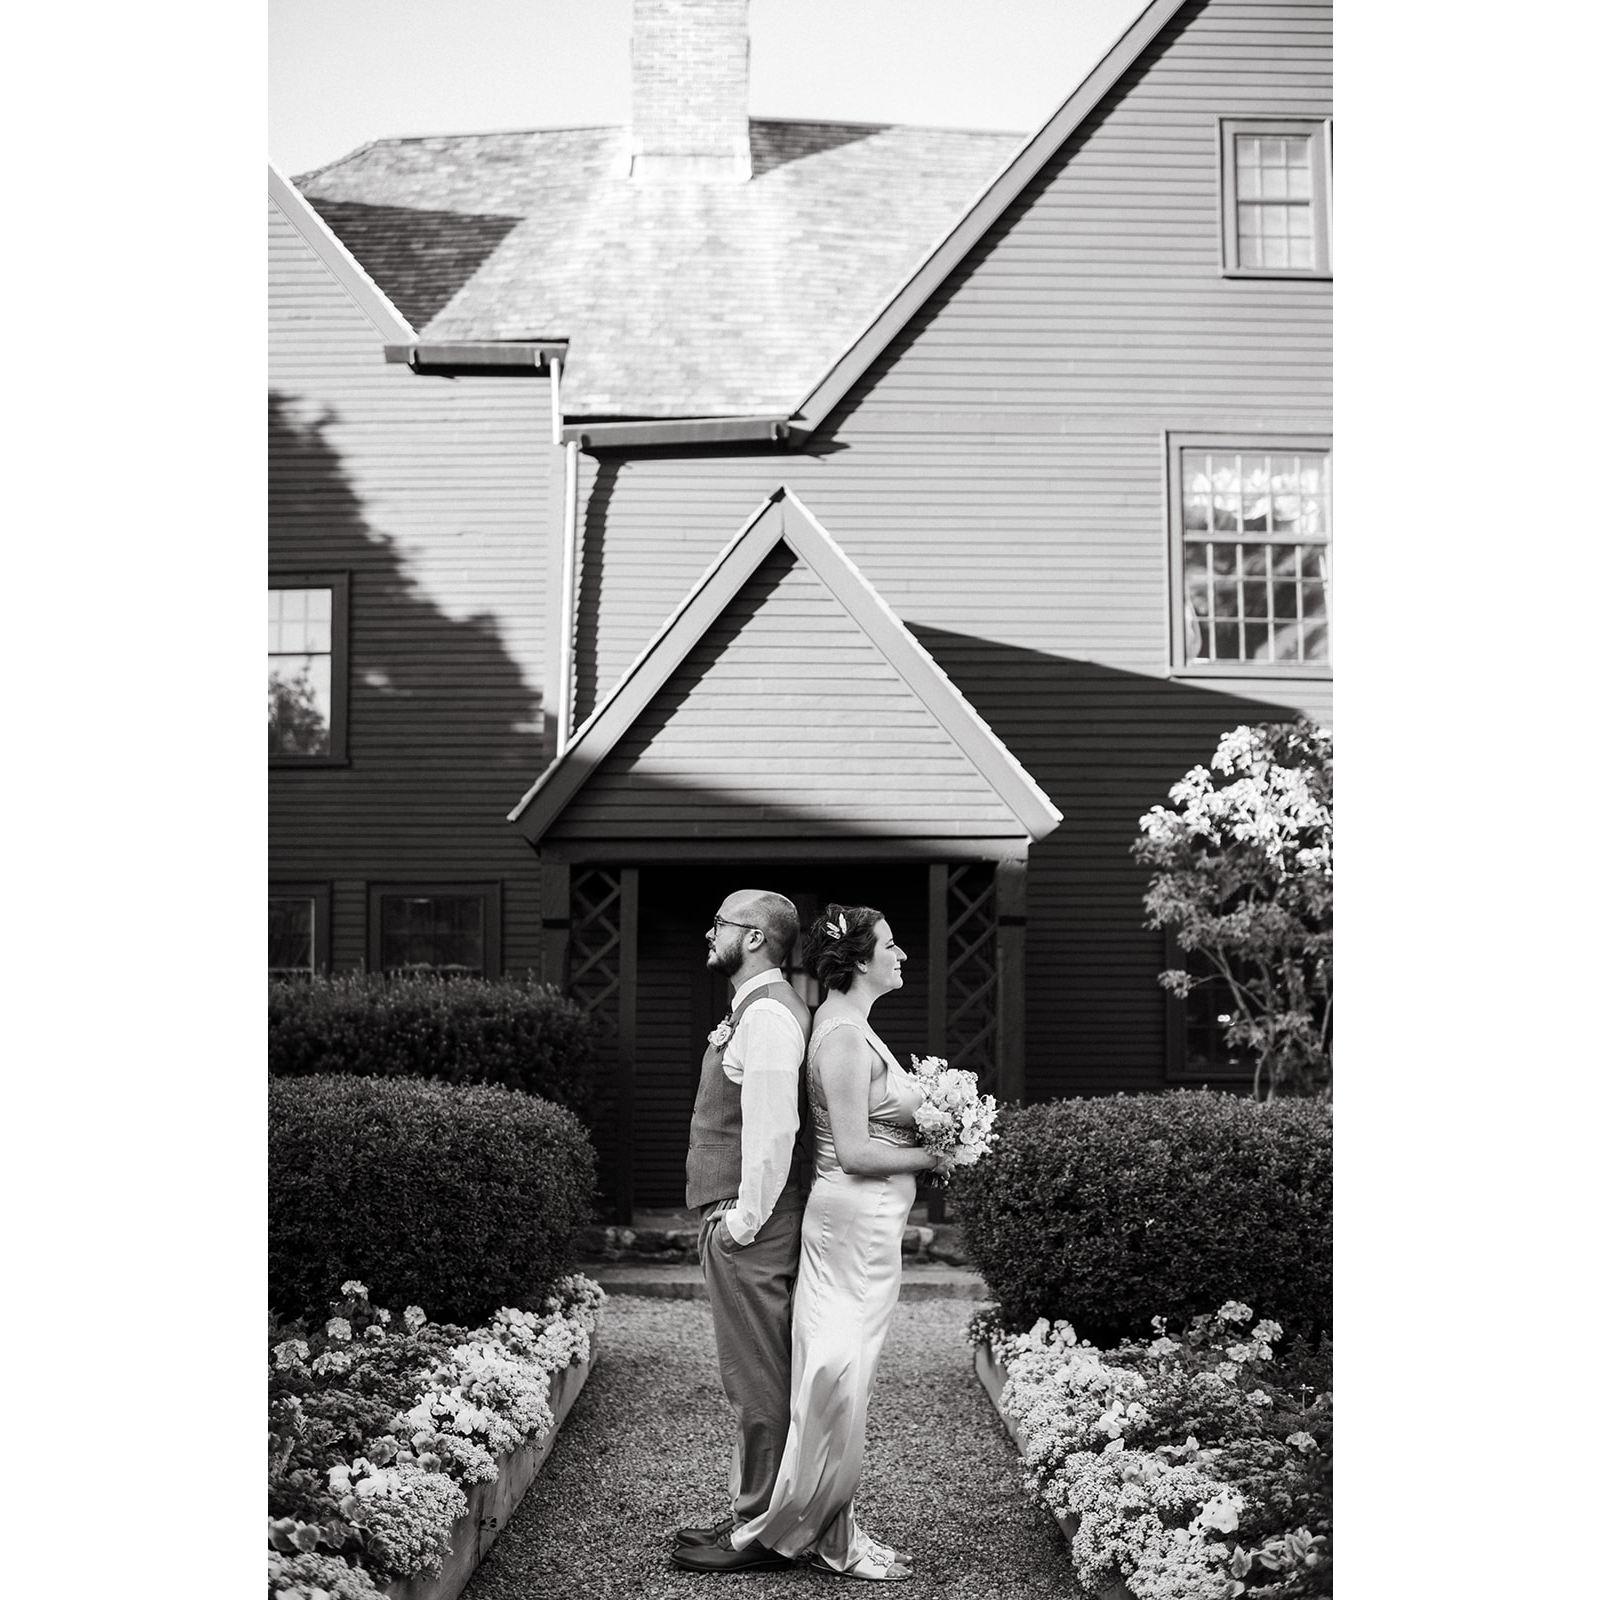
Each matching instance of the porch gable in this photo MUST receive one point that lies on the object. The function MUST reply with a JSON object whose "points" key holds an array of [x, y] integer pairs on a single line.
{"points": [[784, 698]]}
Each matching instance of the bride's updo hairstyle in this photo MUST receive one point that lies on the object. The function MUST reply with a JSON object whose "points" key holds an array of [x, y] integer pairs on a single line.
{"points": [[837, 940]]}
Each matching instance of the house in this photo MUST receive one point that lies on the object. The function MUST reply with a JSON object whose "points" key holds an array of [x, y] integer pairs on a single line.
{"points": [[871, 513]]}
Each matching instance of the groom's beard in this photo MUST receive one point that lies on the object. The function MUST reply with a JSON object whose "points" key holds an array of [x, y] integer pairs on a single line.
{"points": [[723, 962]]}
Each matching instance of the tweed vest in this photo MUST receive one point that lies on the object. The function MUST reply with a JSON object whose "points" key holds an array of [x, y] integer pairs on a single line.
{"points": [[717, 1129]]}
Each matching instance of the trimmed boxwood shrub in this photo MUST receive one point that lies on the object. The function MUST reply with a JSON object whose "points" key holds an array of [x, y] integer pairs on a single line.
{"points": [[460, 1199], [518, 1033], [1111, 1211]]}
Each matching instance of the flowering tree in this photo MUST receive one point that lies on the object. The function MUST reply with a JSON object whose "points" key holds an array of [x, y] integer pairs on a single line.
{"points": [[1244, 879]]}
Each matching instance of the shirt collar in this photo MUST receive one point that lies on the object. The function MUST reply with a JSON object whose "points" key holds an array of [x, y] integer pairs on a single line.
{"points": [[750, 985]]}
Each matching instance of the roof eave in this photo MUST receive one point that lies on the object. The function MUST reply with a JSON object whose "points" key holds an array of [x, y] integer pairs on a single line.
{"points": [[640, 433], [506, 356]]}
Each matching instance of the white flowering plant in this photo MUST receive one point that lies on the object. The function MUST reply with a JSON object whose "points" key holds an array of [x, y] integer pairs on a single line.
{"points": [[954, 1120], [377, 1422], [1243, 879], [1199, 1467]]}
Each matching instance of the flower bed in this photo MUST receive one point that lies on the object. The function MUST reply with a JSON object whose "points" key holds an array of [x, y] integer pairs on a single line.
{"points": [[396, 1450], [1197, 1468]]}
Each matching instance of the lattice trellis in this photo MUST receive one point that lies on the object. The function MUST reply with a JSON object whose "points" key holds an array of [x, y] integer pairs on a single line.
{"points": [[595, 958], [972, 978]]}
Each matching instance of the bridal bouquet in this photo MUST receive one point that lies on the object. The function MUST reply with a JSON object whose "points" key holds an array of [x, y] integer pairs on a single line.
{"points": [[953, 1119]]}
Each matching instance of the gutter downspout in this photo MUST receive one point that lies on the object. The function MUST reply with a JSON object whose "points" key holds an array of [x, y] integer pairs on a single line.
{"points": [[569, 567]]}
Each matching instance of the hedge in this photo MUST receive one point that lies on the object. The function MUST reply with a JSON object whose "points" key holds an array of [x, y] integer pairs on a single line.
{"points": [[1114, 1210], [461, 1199], [522, 1034]]}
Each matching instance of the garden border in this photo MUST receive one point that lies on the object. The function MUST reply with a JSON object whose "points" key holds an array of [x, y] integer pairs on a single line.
{"points": [[992, 1374], [490, 1505]]}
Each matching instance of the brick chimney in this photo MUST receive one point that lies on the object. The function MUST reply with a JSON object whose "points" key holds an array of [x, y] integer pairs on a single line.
{"points": [[691, 91]]}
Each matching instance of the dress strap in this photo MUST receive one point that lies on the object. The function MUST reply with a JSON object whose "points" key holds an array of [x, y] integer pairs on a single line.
{"points": [[830, 1023]]}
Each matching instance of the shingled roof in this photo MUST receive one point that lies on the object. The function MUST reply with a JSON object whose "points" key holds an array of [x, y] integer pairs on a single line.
{"points": [[678, 298]]}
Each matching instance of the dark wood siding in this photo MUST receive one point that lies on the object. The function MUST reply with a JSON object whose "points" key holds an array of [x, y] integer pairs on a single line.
{"points": [[679, 1003], [431, 495], [999, 477]]}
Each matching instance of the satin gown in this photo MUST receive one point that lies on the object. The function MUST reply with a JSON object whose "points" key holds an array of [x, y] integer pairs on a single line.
{"points": [[848, 1284]]}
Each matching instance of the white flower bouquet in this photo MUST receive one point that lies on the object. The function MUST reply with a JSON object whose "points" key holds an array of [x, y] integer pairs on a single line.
{"points": [[954, 1119]]}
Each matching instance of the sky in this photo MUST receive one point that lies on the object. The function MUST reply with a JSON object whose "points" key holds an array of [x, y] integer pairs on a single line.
{"points": [[342, 72]]}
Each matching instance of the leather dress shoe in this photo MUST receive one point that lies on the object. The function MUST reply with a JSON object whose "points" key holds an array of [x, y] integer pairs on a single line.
{"points": [[722, 1557], [702, 1536]]}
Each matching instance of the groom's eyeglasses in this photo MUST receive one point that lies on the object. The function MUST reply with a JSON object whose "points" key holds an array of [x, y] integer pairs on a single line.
{"points": [[727, 922]]}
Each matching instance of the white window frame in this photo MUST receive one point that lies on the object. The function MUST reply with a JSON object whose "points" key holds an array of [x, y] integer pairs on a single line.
{"points": [[1249, 444], [1320, 131]]}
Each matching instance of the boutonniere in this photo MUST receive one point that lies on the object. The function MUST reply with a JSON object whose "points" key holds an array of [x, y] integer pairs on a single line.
{"points": [[720, 1035]]}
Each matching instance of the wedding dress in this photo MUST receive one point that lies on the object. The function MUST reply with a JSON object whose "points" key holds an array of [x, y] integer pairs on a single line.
{"points": [[847, 1288]]}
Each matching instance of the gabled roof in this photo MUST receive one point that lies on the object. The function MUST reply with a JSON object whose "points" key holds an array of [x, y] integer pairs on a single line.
{"points": [[783, 518], [701, 302], [702, 299], [937, 265]]}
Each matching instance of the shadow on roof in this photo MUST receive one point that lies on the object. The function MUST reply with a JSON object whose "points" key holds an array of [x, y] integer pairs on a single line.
{"points": [[775, 144], [420, 257]]}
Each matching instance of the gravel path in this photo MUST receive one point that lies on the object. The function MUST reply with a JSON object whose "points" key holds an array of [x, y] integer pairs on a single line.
{"points": [[645, 1450]]}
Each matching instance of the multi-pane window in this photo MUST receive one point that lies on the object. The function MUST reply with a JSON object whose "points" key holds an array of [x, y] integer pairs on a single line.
{"points": [[305, 680], [297, 930], [1275, 198], [451, 930], [1251, 556]]}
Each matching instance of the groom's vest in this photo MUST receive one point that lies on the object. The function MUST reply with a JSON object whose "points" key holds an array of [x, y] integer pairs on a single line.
{"points": [[716, 1131]]}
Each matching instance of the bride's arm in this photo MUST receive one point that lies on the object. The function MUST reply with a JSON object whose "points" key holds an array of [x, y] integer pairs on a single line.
{"points": [[844, 1066]]}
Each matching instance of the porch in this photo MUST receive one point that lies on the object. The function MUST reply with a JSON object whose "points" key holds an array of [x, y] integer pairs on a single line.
{"points": [[627, 941]]}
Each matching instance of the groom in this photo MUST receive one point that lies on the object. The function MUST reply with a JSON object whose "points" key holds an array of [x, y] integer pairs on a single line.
{"points": [[744, 1177]]}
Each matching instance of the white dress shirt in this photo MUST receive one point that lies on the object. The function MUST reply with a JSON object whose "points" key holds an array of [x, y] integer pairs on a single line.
{"points": [[764, 1058]]}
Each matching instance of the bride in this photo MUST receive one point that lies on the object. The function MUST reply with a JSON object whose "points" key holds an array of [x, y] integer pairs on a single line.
{"points": [[867, 1154]]}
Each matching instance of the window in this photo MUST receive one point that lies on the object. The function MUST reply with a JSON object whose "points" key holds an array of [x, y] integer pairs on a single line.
{"points": [[1251, 531], [1197, 1025], [452, 928], [306, 673], [1275, 186], [297, 930]]}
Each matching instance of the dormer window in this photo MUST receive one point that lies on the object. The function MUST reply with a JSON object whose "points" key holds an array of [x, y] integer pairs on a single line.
{"points": [[1275, 185]]}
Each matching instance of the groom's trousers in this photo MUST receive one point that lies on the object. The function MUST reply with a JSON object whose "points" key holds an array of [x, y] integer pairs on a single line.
{"points": [[751, 1290]]}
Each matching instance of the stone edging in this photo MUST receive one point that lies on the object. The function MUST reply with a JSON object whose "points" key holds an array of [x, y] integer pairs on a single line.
{"points": [[991, 1373], [489, 1505]]}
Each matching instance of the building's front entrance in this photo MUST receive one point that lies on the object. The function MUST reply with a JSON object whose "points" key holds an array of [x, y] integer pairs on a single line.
{"points": [[680, 1001], [635, 959]]}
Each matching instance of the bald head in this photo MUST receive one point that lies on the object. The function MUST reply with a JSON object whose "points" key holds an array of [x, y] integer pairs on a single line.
{"points": [[774, 914]]}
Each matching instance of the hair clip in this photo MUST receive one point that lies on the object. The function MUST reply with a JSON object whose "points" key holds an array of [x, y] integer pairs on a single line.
{"points": [[839, 932]]}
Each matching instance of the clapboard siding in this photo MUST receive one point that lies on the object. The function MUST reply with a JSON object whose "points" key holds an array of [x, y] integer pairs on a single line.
{"points": [[432, 495], [999, 475], [785, 719]]}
